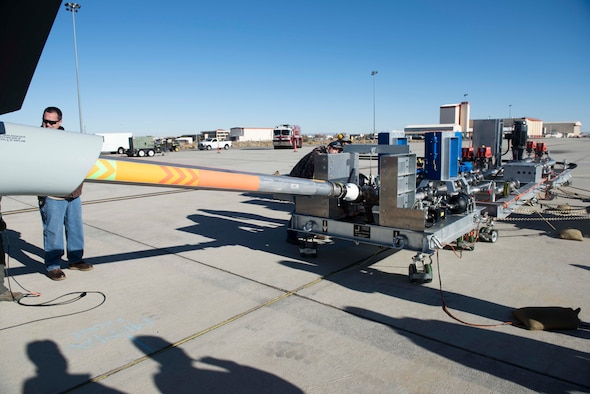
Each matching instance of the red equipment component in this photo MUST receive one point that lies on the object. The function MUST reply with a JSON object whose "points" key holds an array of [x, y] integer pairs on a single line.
{"points": [[531, 146], [484, 152], [540, 148], [467, 153]]}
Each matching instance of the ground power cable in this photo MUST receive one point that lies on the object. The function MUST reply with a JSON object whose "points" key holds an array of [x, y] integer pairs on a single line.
{"points": [[75, 296], [446, 309], [7, 275]]}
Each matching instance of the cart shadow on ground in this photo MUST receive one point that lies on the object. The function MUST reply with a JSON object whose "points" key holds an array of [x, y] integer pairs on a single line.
{"points": [[527, 362]]}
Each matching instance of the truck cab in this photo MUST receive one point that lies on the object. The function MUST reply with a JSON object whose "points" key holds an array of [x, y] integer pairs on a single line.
{"points": [[287, 136]]}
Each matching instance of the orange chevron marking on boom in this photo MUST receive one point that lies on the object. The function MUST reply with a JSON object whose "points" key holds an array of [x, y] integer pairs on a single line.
{"points": [[180, 176], [157, 174], [103, 169]]}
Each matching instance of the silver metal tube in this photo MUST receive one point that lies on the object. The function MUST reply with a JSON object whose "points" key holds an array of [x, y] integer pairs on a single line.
{"points": [[298, 186]]}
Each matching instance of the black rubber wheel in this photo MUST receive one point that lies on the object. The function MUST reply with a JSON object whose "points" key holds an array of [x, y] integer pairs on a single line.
{"points": [[493, 237], [411, 271], [428, 271]]}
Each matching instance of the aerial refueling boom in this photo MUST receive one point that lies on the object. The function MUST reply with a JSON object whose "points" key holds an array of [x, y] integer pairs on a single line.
{"points": [[147, 173], [80, 160]]}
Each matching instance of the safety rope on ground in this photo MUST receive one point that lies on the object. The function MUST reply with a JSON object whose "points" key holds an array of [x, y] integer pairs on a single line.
{"points": [[511, 219], [559, 211]]}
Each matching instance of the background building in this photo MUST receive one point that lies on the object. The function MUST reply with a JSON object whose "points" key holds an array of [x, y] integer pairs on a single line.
{"points": [[562, 129], [534, 126], [219, 133], [453, 117], [456, 117], [250, 134]]}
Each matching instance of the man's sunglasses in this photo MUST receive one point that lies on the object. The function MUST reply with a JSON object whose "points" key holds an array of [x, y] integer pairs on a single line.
{"points": [[51, 122]]}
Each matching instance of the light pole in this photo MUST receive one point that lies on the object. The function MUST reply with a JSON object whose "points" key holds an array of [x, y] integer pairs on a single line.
{"points": [[73, 8], [373, 73], [510, 115]]}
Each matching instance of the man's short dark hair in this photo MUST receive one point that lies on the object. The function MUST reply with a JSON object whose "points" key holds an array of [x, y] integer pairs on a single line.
{"points": [[54, 110]]}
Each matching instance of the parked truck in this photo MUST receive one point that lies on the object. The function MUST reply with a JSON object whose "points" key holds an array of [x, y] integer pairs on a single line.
{"points": [[287, 136], [214, 143], [115, 142], [142, 146]]}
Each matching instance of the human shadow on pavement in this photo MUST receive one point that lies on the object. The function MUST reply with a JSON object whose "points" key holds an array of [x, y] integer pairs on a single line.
{"points": [[19, 250], [52, 371], [178, 374], [536, 365]]}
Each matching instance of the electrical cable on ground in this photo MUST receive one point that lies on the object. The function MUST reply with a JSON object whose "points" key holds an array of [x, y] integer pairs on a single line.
{"points": [[28, 293], [77, 296], [448, 311]]}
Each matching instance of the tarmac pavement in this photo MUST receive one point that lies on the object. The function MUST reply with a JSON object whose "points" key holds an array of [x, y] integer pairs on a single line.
{"points": [[197, 291]]}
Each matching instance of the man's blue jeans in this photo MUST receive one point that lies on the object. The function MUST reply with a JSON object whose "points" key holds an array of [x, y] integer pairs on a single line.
{"points": [[58, 215]]}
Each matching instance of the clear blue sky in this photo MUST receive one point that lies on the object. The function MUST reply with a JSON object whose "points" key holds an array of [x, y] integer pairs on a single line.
{"points": [[185, 66]]}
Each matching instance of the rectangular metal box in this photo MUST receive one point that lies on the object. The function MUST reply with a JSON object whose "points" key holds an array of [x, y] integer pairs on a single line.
{"points": [[333, 167], [523, 172], [398, 193], [489, 132]]}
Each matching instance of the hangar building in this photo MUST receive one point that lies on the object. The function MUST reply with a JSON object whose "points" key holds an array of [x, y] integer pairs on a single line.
{"points": [[250, 134]]}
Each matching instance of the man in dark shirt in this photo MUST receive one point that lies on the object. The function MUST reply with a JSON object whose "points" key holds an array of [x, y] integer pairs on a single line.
{"points": [[59, 213], [305, 167]]}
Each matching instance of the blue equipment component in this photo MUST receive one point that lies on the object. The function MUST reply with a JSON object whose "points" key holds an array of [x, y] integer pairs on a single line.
{"points": [[392, 138], [465, 167], [442, 154]]}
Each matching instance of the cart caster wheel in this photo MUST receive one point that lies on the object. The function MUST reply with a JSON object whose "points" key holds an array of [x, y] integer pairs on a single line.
{"points": [[412, 270], [427, 273], [483, 234], [493, 237]]}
